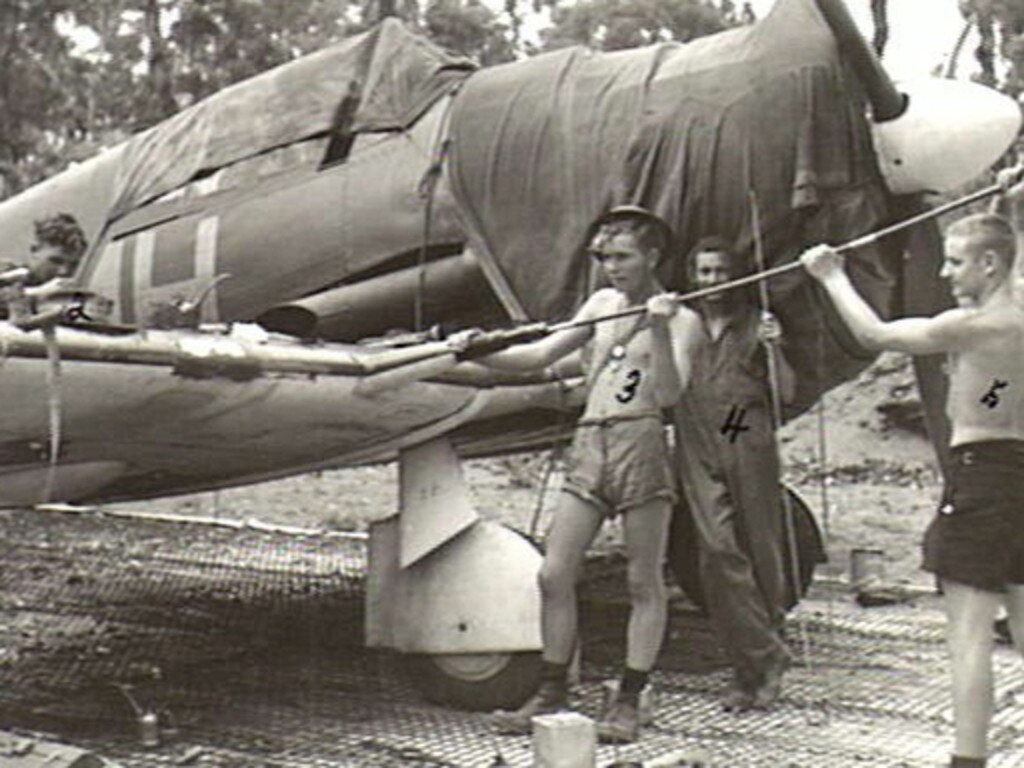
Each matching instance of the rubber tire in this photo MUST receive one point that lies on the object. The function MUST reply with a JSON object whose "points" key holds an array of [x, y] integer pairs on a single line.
{"points": [[684, 561], [494, 686]]}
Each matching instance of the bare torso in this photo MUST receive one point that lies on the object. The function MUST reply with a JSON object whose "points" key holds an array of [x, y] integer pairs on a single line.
{"points": [[621, 384], [986, 379]]}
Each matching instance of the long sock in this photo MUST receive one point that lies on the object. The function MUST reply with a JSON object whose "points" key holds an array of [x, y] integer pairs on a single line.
{"points": [[554, 687], [633, 681], [966, 762], [550, 672], [554, 680]]}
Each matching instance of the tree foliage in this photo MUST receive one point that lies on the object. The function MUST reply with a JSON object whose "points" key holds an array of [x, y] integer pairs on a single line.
{"points": [[471, 29], [616, 24], [81, 74], [1000, 26], [40, 87]]}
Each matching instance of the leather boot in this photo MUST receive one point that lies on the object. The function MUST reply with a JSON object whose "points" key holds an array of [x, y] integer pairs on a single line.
{"points": [[771, 688], [737, 698], [621, 725], [552, 696]]}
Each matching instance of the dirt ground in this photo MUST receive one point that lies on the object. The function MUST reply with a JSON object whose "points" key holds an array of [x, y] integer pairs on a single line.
{"points": [[859, 463]]}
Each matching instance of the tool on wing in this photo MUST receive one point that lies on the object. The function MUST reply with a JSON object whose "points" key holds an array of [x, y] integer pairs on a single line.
{"points": [[487, 342], [432, 364]]}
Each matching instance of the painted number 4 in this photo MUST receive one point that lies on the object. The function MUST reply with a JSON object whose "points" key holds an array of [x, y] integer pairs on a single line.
{"points": [[733, 424]]}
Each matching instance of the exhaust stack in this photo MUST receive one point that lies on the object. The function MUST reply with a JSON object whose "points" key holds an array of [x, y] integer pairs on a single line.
{"points": [[929, 135]]}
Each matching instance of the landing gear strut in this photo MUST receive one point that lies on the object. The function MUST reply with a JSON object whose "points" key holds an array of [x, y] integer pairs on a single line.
{"points": [[457, 594]]}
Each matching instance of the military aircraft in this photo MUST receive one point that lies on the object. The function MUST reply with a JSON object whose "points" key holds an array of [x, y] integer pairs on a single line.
{"points": [[279, 263]]}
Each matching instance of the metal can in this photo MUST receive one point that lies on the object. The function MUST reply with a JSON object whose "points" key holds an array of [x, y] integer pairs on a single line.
{"points": [[149, 729], [867, 568]]}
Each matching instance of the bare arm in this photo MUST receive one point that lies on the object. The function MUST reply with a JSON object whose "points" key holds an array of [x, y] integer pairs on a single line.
{"points": [[543, 352], [537, 354], [769, 333], [676, 333], [1012, 202], [786, 374], [691, 337], [946, 332], [666, 378]]}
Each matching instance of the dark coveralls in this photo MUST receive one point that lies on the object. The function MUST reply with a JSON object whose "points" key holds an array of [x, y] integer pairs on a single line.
{"points": [[729, 468]]}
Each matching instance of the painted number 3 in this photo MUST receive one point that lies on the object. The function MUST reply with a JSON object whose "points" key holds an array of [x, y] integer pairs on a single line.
{"points": [[629, 388]]}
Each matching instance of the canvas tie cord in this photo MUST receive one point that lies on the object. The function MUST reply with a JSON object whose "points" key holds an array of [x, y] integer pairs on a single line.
{"points": [[823, 476], [54, 403], [427, 191]]}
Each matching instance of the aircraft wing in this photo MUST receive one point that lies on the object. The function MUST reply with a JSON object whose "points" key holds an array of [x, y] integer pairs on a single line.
{"points": [[382, 184]]}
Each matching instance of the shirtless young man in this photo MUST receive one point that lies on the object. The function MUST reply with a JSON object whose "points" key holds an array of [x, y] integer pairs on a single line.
{"points": [[975, 544], [618, 463]]}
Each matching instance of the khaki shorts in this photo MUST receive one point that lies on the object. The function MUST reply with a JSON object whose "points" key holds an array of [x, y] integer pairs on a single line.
{"points": [[620, 464]]}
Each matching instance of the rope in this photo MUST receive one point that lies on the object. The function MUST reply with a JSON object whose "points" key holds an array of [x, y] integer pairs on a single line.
{"points": [[553, 455], [53, 395], [864, 240], [823, 463], [427, 190], [549, 468]]}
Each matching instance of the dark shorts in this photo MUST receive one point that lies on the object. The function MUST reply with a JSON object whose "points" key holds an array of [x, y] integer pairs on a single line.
{"points": [[620, 464], [977, 535]]}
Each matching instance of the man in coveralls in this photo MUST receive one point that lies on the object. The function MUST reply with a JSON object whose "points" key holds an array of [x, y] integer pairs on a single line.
{"points": [[729, 465], [975, 543], [618, 463]]}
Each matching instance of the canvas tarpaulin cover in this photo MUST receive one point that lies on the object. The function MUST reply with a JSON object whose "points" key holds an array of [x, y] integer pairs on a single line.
{"points": [[542, 147], [392, 75]]}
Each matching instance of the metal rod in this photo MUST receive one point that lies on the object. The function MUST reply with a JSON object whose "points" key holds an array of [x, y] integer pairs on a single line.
{"points": [[775, 396], [759, 259], [780, 269]]}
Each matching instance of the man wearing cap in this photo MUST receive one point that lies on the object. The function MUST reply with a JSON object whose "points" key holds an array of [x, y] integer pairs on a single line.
{"points": [[618, 463], [729, 467]]}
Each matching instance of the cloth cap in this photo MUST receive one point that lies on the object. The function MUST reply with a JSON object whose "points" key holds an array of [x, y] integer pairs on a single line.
{"points": [[627, 212]]}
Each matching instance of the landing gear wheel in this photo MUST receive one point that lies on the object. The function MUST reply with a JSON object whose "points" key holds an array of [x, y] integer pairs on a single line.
{"points": [[476, 681], [683, 557]]}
